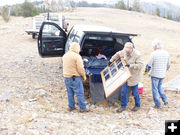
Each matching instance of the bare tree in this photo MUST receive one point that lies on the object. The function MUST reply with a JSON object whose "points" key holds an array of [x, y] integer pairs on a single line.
{"points": [[5, 13], [68, 4], [54, 5], [60, 5], [121, 5], [169, 15], [157, 12], [136, 5], [47, 4]]}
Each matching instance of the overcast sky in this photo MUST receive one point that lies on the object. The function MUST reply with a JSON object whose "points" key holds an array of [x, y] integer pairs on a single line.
{"points": [[11, 2]]}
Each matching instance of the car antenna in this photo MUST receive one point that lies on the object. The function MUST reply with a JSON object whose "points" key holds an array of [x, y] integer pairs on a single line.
{"points": [[48, 16]]}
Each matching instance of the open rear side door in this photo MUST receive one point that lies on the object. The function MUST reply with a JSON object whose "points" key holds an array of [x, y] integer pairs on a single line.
{"points": [[51, 40]]}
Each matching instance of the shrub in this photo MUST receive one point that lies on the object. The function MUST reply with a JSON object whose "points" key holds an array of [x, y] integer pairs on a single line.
{"points": [[5, 14], [28, 9], [16, 10], [157, 12], [136, 5], [121, 5]]}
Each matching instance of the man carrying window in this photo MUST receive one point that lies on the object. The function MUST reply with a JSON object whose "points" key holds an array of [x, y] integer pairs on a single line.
{"points": [[135, 64]]}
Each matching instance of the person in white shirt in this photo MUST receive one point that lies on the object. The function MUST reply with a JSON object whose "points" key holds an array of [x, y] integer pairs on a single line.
{"points": [[159, 64]]}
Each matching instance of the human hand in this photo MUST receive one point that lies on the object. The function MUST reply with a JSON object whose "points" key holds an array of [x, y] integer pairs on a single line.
{"points": [[144, 73], [84, 78], [109, 63], [127, 65]]}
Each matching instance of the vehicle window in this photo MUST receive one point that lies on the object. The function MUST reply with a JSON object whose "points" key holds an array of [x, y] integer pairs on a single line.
{"points": [[72, 34], [119, 40], [98, 44], [50, 30], [100, 38], [122, 40], [76, 38], [69, 40], [54, 17]]}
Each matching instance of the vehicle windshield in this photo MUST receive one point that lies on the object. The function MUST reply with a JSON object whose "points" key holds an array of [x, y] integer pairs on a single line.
{"points": [[74, 36]]}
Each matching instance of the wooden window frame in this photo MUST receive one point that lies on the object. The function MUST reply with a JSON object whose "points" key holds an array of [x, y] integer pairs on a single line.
{"points": [[115, 81]]}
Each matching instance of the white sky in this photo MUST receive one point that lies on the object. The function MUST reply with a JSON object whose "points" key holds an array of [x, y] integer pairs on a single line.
{"points": [[11, 2], [176, 2]]}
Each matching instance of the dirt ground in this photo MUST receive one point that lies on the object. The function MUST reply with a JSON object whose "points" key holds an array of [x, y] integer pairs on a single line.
{"points": [[36, 97]]}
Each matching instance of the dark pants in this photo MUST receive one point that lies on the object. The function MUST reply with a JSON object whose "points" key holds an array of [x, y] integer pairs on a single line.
{"points": [[75, 86], [124, 93], [157, 90]]}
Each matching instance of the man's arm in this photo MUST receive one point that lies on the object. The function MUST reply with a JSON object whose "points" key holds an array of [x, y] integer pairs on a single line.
{"points": [[149, 65], [147, 69], [138, 63], [116, 56], [80, 66], [150, 62]]}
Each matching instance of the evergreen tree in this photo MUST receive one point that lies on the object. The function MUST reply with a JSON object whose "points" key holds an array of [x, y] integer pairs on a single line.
{"points": [[5, 13], [28, 9], [169, 15], [157, 12], [136, 5], [121, 5]]}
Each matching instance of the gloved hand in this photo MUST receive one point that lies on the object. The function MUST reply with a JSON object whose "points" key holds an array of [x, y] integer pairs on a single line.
{"points": [[84, 78], [144, 73], [109, 63], [127, 65], [147, 69]]}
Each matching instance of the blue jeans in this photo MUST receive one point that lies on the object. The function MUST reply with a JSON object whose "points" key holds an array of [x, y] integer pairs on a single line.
{"points": [[75, 87], [124, 92], [157, 90]]}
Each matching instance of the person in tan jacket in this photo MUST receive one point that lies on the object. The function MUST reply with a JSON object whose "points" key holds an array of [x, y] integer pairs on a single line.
{"points": [[135, 64], [73, 70]]}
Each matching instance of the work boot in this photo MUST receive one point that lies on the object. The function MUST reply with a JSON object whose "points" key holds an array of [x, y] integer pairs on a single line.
{"points": [[83, 110], [135, 108], [157, 107], [120, 110], [166, 103], [71, 109]]}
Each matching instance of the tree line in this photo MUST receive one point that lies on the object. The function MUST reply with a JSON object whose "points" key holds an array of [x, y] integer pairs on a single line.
{"points": [[136, 6], [28, 9]]}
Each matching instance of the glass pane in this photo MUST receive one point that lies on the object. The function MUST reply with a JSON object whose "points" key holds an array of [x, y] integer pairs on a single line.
{"points": [[71, 36], [105, 72], [107, 77], [113, 71], [76, 39], [54, 17], [112, 66], [118, 61], [120, 65], [50, 30], [119, 40]]}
